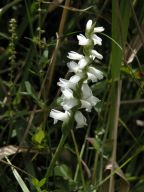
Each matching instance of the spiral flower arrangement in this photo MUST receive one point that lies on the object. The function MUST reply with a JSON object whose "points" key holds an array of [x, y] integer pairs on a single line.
{"points": [[76, 92]]}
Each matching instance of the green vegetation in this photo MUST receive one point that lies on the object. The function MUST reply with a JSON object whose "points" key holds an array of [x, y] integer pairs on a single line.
{"points": [[37, 155]]}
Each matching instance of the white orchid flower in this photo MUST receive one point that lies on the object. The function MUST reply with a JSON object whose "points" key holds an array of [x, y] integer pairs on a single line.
{"points": [[89, 25], [95, 54], [73, 67], [94, 74], [86, 91], [69, 101], [67, 93], [83, 40], [80, 119], [68, 104], [83, 72], [74, 55], [64, 83], [71, 83], [98, 29], [83, 62], [88, 100], [76, 78], [58, 115], [97, 40], [77, 67], [86, 105]]}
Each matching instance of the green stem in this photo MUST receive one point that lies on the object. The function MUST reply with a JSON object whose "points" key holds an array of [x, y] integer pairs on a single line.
{"points": [[95, 168], [79, 160], [82, 151], [56, 155], [114, 125]]}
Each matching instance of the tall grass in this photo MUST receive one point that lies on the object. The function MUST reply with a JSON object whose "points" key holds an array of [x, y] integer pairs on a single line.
{"points": [[108, 154]]}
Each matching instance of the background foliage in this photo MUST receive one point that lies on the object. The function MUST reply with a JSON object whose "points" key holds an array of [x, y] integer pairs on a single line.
{"points": [[35, 37]]}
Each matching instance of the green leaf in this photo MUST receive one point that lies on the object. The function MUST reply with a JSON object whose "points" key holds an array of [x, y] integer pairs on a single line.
{"points": [[95, 143], [39, 136], [30, 90], [38, 184], [35, 181], [42, 182], [63, 171]]}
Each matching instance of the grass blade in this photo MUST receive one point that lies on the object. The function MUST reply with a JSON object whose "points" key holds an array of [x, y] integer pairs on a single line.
{"points": [[18, 177]]}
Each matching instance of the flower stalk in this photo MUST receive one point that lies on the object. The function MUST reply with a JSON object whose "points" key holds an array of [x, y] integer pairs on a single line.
{"points": [[76, 93]]}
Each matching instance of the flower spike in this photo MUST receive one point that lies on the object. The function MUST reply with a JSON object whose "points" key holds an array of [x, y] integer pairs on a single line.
{"points": [[76, 92]]}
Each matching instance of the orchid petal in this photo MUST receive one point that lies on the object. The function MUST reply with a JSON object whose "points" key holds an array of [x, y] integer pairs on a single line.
{"points": [[73, 66], [58, 115], [94, 74], [67, 93], [75, 78], [89, 25], [86, 91], [83, 40], [98, 29], [97, 40], [80, 119], [96, 54], [68, 104], [64, 83], [86, 105], [83, 62], [74, 55]]}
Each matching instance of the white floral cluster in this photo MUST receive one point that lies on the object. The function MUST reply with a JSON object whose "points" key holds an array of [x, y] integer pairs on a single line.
{"points": [[76, 93]]}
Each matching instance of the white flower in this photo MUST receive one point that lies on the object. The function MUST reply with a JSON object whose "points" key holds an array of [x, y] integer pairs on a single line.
{"points": [[73, 67], [94, 54], [58, 115], [68, 104], [74, 55], [83, 62], [75, 78], [97, 40], [94, 74], [88, 100], [64, 83], [86, 105], [83, 40], [73, 95], [86, 91], [80, 119], [67, 93], [69, 101], [71, 83], [98, 29], [77, 67], [89, 25]]}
